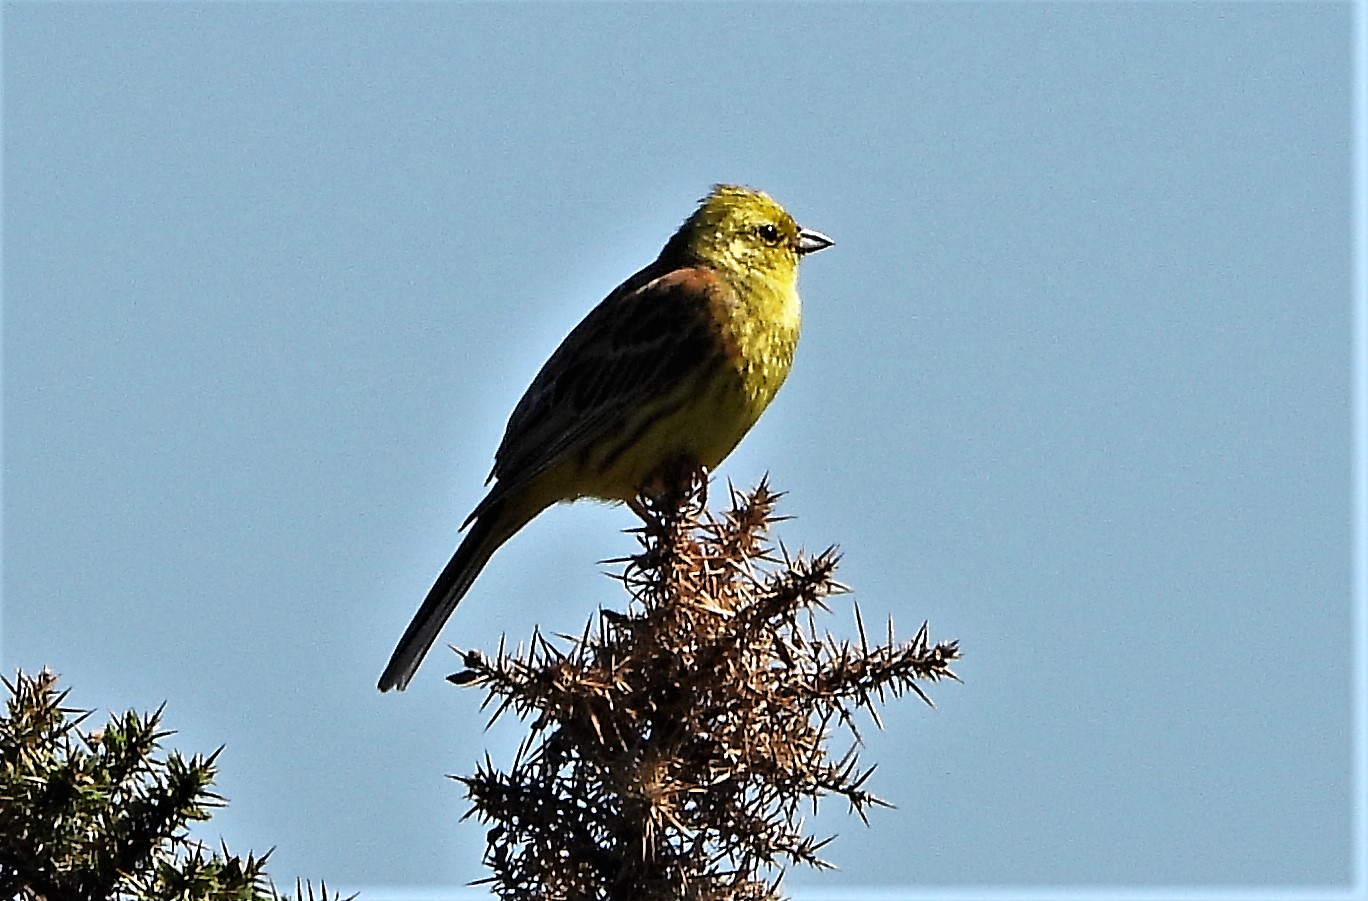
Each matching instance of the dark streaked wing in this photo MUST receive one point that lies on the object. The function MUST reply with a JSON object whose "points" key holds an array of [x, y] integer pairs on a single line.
{"points": [[633, 349]]}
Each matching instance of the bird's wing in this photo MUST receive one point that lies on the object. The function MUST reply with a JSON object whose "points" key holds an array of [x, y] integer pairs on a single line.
{"points": [[649, 336]]}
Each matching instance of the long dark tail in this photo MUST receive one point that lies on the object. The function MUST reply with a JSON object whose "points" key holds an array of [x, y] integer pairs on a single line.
{"points": [[490, 529]]}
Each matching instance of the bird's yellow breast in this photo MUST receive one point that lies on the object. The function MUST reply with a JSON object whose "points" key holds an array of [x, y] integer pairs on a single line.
{"points": [[760, 323], [702, 420]]}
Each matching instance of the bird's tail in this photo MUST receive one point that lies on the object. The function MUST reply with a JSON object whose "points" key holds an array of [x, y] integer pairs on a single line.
{"points": [[495, 524]]}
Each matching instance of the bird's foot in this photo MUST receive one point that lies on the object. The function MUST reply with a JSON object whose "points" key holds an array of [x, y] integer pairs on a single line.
{"points": [[680, 487]]}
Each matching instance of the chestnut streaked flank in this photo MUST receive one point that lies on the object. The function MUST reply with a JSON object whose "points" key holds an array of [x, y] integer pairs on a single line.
{"points": [[673, 367]]}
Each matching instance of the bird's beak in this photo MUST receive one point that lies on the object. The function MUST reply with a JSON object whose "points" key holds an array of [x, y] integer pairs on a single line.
{"points": [[810, 241]]}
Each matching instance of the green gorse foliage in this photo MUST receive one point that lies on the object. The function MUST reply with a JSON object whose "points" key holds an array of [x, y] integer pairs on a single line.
{"points": [[98, 815]]}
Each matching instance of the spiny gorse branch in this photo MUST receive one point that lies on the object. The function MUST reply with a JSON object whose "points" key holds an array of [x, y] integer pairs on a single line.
{"points": [[673, 746]]}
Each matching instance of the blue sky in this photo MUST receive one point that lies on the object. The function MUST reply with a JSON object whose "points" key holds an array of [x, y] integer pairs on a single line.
{"points": [[1074, 386]]}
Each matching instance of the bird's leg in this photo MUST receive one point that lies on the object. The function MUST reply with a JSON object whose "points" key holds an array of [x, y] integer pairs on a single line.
{"points": [[686, 480], [679, 484], [640, 508], [699, 479]]}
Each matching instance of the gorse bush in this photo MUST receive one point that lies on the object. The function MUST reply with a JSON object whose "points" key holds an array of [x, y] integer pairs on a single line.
{"points": [[98, 815], [672, 747]]}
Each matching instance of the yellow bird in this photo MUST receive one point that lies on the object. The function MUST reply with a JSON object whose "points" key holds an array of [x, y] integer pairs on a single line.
{"points": [[673, 367]]}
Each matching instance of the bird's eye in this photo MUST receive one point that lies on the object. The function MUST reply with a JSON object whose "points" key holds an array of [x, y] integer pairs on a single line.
{"points": [[769, 234]]}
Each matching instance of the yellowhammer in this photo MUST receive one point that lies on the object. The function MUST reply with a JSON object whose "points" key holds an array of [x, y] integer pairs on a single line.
{"points": [[672, 368]]}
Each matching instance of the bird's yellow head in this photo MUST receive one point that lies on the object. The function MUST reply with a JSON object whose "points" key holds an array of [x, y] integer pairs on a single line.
{"points": [[744, 233]]}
